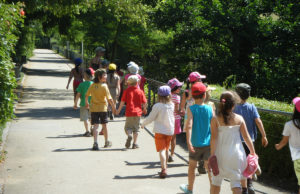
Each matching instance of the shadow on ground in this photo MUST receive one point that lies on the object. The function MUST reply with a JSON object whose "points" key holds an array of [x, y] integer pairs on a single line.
{"points": [[151, 176], [46, 94], [150, 165], [49, 61], [48, 113], [45, 72]]}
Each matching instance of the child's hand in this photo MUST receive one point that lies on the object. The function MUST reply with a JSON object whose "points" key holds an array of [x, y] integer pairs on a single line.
{"points": [[145, 111], [118, 112], [277, 147], [67, 87], [264, 141], [182, 112], [191, 148], [75, 106], [142, 126], [87, 106]]}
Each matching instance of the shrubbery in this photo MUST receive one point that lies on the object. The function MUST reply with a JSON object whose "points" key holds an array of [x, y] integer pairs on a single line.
{"points": [[11, 22]]}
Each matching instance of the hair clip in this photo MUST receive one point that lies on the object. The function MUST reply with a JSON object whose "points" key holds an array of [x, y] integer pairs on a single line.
{"points": [[223, 100]]}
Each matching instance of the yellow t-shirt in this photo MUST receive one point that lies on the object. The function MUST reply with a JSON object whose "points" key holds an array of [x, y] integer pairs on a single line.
{"points": [[100, 94]]}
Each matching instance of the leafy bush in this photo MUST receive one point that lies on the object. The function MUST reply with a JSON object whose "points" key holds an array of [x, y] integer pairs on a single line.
{"points": [[11, 21]]}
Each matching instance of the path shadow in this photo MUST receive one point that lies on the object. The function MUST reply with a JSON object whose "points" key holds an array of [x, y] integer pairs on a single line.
{"points": [[66, 136], [45, 53], [48, 113], [152, 165], [45, 72], [86, 149], [59, 60], [151, 176], [72, 150], [47, 94]]}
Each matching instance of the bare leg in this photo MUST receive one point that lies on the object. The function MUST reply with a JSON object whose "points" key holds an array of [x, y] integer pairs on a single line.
{"points": [[244, 183], [236, 190], [163, 160], [173, 144], [215, 189], [105, 133], [95, 132], [86, 126], [207, 170], [191, 174], [135, 136]]}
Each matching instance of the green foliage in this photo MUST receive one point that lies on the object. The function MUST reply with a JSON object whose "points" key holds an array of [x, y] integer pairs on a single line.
{"points": [[10, 23]]}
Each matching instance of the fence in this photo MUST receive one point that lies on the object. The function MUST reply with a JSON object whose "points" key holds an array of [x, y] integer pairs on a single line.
{"points": [[271, 161]]}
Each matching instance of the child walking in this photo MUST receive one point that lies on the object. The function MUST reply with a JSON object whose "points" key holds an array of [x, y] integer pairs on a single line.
{"points": [[227, 146], [163, 116], [100, 96], [291, 135], [77, 73], [135, 105], [81, 91], [197, 134], [252, 119], [175, 86]]}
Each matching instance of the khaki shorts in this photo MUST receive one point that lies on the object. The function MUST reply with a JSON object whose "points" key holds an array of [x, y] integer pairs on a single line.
{"points": [[132, 124], [201, 153], [297, 169], [84, 114]]}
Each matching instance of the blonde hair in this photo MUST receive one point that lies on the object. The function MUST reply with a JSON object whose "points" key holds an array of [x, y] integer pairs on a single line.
{"points": [[164, 99]]}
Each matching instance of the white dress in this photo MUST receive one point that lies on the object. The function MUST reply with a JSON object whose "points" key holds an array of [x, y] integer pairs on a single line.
{"points": [[231, 155]]}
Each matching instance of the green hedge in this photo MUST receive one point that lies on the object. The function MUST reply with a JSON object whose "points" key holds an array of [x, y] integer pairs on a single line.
{"points": [[11, 22], [277, 166]]}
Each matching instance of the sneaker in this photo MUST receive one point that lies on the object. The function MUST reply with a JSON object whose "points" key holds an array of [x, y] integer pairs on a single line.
{"points": [[163, 174], [128, 142], [107, 144], [201, 168], [95, 146], [170, 159], [250, 187], [244, 191], [135, 146], [184, 188]]}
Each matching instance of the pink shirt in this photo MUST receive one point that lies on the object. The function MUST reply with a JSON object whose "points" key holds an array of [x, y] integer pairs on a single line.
{"points": [[176, 101]]}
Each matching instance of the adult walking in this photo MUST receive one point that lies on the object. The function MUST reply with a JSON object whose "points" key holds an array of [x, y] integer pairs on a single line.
{"points": [[96, 62], [113, 83]]}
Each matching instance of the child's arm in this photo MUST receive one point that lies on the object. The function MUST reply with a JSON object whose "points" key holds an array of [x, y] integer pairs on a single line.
{"points": [[246, 137], [214, 136], [264, 140], [144, 107], [151, 117], [282, 143], [118, 88], [87, 102], [120, 107], [113, 106], [76, 100], [70, 78], [188, 129], [182, 103]]}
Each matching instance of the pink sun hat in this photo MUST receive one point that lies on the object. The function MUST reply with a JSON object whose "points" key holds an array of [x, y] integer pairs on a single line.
{"points": [[296, 102], [194, 76], [174, 82]]}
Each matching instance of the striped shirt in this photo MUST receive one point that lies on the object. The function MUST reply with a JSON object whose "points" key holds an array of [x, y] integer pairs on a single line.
{"points": [[176, 101]]}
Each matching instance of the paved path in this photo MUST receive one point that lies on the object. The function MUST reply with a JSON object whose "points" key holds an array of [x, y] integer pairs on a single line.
{"points": [[47, 154]]}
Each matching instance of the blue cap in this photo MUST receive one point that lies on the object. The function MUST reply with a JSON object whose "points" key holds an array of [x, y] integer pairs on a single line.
{"points": [[78, 61], [164, 91]]}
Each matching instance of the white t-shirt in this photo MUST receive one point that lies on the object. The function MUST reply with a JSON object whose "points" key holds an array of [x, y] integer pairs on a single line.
{"points": [[294, 139], [163, 117]]}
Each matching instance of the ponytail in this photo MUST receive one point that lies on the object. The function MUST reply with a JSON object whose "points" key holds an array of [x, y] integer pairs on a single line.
{"points": [[227, 101]]}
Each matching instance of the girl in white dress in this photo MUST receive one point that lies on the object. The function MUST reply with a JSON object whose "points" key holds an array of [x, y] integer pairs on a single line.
{"points": [[226, 144]]}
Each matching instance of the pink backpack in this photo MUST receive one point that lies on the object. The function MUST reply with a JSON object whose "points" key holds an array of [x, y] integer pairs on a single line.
{"points": [[252, 164]]}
